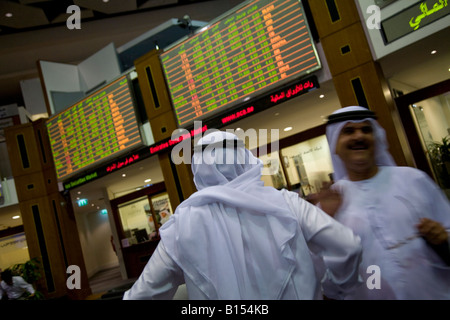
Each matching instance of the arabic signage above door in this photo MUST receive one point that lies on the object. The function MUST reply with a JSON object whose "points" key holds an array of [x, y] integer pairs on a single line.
{"points": [[414, 17]]}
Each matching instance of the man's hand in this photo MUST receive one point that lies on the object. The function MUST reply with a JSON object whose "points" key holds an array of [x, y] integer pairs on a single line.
{"points": [[432, 231], [330, 200]]}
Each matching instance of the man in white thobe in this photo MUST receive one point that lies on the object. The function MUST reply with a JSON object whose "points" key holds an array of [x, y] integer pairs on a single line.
{"points": [[15, 287], [401, 215], [237, 239]]}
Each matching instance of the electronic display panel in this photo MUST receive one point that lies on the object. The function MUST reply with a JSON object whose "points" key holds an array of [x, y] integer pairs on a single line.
{"points": [[95, 129], [248, 51]]}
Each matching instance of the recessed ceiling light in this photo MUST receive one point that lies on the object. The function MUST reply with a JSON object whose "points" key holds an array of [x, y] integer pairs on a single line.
{"points": [[16, 217], [124, 175], [148, 180], [433, 52], [288, 129], [322, 96], [105, 1], [8, 14], [277, 114], [79, 192]]}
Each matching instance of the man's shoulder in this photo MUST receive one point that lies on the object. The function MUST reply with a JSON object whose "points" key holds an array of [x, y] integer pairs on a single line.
{"points": [[404, 171]]}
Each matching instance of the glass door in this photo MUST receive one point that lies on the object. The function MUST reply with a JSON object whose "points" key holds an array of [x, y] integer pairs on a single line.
{"points": [[425, 116], [432, 119]]}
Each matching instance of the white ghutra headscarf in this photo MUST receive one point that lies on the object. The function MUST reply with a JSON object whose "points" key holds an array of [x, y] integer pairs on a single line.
{"points": [[234, 238], [336, 122]]}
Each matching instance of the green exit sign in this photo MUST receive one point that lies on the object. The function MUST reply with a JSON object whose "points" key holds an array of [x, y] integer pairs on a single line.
{"points": [[82, 202]]}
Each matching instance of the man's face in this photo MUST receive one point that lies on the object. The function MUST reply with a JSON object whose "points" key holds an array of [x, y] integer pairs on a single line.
{"points": [[356, 146]]}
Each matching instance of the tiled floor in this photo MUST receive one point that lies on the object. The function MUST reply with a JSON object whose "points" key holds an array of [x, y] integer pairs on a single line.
{"points": [[106, 281]]}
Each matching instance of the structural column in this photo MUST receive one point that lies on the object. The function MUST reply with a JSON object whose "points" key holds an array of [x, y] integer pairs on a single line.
{"points": [[358, 79], [178, 178], [49, 224]]}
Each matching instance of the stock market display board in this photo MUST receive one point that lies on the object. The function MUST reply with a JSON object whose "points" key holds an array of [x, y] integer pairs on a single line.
{"points": [[98, 127], [257, 47]]}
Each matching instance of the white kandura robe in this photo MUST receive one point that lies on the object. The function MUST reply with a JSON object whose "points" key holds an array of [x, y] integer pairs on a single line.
{"points": [[230, 267], [384, 212], [236, 239]]}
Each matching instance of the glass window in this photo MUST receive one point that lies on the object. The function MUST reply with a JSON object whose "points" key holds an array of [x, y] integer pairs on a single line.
{"points": [[13, 250], [308, 164], [138, 217], [134, 216], [432, 118], [162, 208], [273, 174]]}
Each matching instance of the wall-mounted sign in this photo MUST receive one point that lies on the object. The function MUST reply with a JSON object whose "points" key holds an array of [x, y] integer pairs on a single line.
{"points": [[257, 47], [414, 17], [290, 91], [82, 202], [99, 127]]}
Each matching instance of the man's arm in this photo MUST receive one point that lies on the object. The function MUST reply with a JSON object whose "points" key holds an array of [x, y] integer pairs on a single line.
{"points": [[339, 248], [25, 285], [159, 279]]}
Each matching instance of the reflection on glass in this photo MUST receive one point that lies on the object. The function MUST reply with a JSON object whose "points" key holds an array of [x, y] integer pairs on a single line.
{"points": [[308, 165], [162, 208], [13, 250], [273, 171], [135, 221], [432, 117], [141, 218]]}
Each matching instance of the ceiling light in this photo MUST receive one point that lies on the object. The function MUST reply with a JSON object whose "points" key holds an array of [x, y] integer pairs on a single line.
{"points": [[16, 217], [8, 14], [148, 180], [124, 175], [287, 129], [322, 96], [277, 114], [79, 192], [433, 52], [105, 1]]}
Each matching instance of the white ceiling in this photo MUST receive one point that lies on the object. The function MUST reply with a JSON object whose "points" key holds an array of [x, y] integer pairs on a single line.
{"points": [[413, 66]]}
